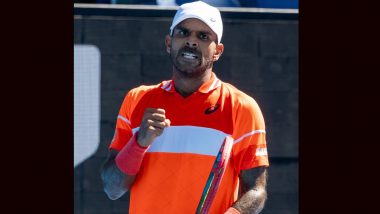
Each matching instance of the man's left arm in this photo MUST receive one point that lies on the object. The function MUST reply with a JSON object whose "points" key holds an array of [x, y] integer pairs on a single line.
{"points": [[252, 195]]}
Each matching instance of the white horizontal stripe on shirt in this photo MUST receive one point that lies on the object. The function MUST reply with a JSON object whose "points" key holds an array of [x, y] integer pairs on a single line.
{"points": [[248, 134], [261, 152], [124, 119], [188, 139]]}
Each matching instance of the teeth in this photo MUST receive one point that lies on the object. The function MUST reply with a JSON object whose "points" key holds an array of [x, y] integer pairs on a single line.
{"points": [[189, 55]]}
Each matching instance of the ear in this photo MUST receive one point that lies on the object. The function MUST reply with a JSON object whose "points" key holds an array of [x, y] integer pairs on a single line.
{"points": [[218, 51], [168, 41]]}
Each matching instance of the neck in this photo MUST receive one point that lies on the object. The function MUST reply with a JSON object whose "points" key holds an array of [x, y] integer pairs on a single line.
{"points": [[187, 85]]}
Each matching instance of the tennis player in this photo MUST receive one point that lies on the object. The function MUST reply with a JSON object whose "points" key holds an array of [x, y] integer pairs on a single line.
{"points": [[168, 136]]}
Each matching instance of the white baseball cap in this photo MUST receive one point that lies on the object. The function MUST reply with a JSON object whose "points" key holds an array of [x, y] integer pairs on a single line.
{"points": [[199, 10]]}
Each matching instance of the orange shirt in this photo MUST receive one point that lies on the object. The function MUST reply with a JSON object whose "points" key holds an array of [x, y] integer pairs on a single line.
{"points": [[176, 166]]}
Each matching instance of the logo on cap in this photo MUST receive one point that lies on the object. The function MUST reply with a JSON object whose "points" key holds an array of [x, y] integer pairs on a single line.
{"points": [[212, 19]]}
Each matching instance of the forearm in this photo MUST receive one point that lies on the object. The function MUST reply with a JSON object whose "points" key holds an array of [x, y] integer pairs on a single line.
{"points": [[120, 171], [251, 202], [122, 167], [253, 193], [115, 182]]}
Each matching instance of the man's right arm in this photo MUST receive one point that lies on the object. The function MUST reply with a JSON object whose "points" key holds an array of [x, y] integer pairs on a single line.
{"points": [[120, 170], [115, 182]]}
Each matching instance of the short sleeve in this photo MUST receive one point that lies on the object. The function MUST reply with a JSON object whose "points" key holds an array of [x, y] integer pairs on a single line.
{"points": [[249, 149], [123, 130]]}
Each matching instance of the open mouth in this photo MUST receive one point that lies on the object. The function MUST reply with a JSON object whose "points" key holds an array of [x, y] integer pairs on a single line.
{"points": [[188, 55]]}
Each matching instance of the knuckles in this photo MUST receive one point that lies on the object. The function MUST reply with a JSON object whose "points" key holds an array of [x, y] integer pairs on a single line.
{"points": [[152, 125]]}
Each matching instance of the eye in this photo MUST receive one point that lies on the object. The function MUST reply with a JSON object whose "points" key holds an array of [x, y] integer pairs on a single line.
{"points": [[203, 36], [183, 32]]}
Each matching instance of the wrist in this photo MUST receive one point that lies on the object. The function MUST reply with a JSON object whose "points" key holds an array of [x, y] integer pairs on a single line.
{"points": [[136, 136], [130, 157]]}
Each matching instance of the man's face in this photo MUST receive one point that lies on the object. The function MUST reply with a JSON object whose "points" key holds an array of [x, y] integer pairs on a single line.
{"points": [[193, 47]]}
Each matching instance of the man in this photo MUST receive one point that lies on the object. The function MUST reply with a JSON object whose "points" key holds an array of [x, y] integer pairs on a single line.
{"points": [[168, 135]]}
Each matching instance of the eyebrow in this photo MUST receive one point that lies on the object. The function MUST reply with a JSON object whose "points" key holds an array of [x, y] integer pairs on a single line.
{"points": [[183, 28], [180, 28]]}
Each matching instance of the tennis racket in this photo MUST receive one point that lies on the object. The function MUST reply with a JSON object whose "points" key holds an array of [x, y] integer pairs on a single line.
{"points": [[216, 174]]}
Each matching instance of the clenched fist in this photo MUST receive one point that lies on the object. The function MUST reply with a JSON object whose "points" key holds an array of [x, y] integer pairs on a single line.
{"points": [[152, 126]]}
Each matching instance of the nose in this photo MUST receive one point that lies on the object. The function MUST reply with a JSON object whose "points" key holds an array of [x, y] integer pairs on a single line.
{"points": [[191, 43]]}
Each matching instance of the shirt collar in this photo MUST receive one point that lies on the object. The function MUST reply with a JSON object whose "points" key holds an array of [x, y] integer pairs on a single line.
{"points": [[208, 86]]}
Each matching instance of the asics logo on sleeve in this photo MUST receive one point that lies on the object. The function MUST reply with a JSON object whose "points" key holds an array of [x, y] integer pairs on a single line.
{"points": [[212, 109]]}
